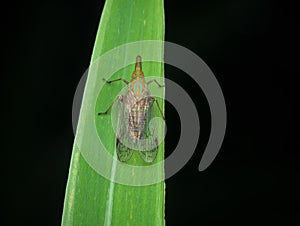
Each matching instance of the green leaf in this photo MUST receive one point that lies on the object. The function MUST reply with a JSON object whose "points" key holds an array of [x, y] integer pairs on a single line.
{"points": [[92, 199]]}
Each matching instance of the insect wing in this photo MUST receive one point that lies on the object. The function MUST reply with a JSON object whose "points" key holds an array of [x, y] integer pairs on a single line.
{"points": [[123, 152], [148, 150]]}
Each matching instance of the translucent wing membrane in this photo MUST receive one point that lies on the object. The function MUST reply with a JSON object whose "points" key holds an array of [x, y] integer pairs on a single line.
{"points": [[124, 153], [147, 143], [150, 143]]}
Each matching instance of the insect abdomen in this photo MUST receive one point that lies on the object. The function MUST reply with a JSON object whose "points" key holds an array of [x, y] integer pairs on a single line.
{"points": [[137, 120]]}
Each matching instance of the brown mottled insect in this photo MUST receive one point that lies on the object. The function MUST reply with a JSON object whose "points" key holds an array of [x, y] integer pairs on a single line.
{"points": [[135, 112]]}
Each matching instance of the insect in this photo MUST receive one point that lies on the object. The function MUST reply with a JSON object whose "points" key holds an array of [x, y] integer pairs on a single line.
{"points": [[135, 112]]}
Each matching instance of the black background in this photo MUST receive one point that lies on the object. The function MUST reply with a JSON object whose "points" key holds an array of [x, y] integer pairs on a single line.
{"points": [[250, 45]]}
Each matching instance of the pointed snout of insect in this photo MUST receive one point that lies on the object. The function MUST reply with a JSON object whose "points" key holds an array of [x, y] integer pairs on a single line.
{"points": [[138, 64], [138, 59]]}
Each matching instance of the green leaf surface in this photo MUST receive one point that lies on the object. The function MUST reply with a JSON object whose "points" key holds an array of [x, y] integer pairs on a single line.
{"points": [[92, 199]]}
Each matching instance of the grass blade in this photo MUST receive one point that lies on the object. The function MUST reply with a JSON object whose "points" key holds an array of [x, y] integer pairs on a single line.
{"points": [[90, 198]]}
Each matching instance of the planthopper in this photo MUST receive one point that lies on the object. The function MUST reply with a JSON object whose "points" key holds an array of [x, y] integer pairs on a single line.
{"points": [[134, 114]]}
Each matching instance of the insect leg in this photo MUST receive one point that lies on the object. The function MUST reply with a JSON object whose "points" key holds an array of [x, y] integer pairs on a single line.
{"points": [[119, 98], [162, 115], [115, 80], [154, 80]]}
